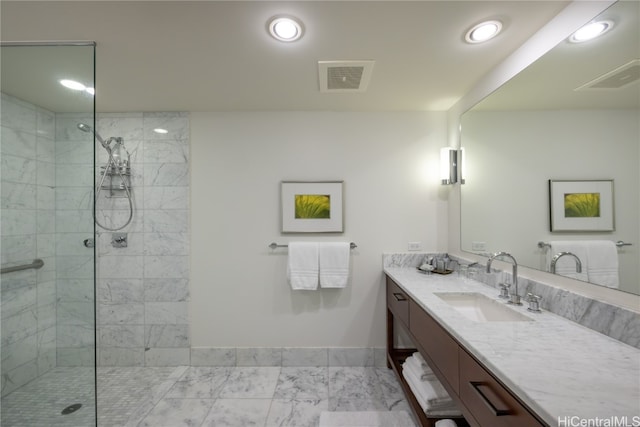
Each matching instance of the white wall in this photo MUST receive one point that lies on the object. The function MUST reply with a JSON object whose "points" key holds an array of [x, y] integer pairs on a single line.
{"points": [[240, 296], [511, 155]]}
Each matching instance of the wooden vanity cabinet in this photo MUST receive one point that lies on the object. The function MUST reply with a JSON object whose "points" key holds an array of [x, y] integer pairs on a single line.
{"points": [[484, 401]]}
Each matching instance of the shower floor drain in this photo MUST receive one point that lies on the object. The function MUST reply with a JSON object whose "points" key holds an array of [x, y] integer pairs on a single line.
{"points": [[71, 409]]}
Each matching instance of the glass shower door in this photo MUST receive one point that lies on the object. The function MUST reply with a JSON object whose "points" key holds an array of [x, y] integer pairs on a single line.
{"points": [[47, 283]]}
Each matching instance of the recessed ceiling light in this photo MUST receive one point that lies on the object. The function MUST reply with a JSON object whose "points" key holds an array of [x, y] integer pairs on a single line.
{"points": [[72, 84], [483, 31], [591, 31], [160, 130], [285, 28]]}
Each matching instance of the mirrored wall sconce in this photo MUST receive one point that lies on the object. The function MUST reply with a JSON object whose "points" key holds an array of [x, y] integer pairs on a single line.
{"points": [[451, 165]]}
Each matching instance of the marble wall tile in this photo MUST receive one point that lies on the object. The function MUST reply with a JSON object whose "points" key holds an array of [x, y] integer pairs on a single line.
{"points": [[75, 290], [135, 244], [17, 299], [46, 316], [163, 197], [167, 221], [19, 376], [350, 357], [18, 222], [45, 197], [120, 267], [305, 356], [67, 127], [18, 169], [18, 196], [46, 173], [75, 313], [166, 267], [206, 356], [17, 143], [16, 353], [75, 267], [255, 356], [166, 313], [128, 336], [45, 123], [166, 290], [127, 126], [76, 335], [71, 175], [380, 357], [118, 218], [19, 326], [177, 123], [163, 244], [45, 149], [167, 357], [120, 314], [108, 356], [81, 356], [166, 174], [45, 245], [120, 291], [46, 292], [45, 221], [166, 335], [18, 114], [46, 360], [74, 198]]}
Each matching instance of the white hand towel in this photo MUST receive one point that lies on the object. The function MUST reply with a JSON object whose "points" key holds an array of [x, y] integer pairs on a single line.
{"points": [[566, 266], [334, 264], [446, 423], [446, 408], [602, 266], [423, 362], [302, 268], [420, 371]]}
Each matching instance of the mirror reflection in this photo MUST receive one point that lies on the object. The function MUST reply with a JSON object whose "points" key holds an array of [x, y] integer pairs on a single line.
{"points": [[548, 139]]}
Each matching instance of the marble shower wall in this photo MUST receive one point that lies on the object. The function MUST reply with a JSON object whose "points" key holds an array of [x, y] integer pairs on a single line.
{"points": [[27, 232], [143, 289]]}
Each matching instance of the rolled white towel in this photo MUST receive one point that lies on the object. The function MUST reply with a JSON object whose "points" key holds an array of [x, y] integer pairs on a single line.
{"points": [[446, 423], [423, 362]]}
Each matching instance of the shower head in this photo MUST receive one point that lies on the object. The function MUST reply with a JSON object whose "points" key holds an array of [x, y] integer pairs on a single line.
{"points": [[86, 128]]}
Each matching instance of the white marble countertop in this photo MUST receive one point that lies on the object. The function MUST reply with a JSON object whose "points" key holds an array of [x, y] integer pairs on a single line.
{"points": [[557, 367]]}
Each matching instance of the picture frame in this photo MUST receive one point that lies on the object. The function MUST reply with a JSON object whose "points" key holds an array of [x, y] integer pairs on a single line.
{"points": [[312, 206], [582, 205]]}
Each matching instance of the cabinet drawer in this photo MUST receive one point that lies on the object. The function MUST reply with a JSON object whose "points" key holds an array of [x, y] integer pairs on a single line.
{"points": [[440, 348], [490, 403], [397, 302]]}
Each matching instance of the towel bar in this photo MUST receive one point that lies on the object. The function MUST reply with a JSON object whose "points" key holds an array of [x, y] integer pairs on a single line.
{"points": [[36, 264], [274, 245], [619, 243]]}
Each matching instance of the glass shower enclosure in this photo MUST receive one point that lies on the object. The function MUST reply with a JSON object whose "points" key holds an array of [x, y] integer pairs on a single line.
{"points": [[48, 319]]}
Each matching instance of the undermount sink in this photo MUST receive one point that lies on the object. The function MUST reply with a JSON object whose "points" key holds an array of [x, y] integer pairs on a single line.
{"points": [[480, 308]]}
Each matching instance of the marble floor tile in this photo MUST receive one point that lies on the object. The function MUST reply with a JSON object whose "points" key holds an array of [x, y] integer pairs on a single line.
{"points": [[247, 383], [303, 383], [355, 383], [178, 413], [296, 412], [238, 412], [200, 383], [357, 404]]}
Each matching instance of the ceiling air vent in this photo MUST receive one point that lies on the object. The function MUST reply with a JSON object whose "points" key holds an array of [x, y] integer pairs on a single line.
{"points": [[344, 76], [616, 79]]}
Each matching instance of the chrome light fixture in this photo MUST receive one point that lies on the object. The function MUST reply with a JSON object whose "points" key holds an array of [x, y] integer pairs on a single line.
{"points": [[285, 28], [451, 166]]}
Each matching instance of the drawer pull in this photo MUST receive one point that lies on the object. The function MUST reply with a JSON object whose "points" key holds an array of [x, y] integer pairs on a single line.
{"points": [[485, 393], [399, 296]]}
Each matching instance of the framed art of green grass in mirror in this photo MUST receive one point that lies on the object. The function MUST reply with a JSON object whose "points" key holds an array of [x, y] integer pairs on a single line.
{"points": [[312, 207], [581, 205]]}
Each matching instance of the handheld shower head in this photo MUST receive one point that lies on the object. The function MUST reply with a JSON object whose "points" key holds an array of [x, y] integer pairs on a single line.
{"points": [[86, 128]]}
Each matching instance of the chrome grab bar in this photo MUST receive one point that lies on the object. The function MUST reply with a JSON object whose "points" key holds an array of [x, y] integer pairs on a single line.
{"points": [[37, 263], [274, 245], [619, 243]]}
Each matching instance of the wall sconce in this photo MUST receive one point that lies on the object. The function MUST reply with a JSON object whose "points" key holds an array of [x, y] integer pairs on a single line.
{"points": [[451, 163]]}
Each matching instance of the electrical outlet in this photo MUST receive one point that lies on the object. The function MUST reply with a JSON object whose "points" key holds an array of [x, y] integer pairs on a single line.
{"points": [[415, 246], [478, 246]]}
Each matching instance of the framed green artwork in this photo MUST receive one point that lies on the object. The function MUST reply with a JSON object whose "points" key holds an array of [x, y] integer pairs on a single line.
{"points": [[312, 207], [581, 205]]}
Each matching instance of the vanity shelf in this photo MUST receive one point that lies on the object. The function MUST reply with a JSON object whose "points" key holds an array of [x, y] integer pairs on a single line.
{"points": [[483, 399]]}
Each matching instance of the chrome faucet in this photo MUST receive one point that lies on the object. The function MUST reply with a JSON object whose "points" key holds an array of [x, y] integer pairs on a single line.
{"points": [[515, 298], [559, 255]]}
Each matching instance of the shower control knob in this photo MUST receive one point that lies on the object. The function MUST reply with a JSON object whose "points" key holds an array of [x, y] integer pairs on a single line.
{"points": [[88, 243]]}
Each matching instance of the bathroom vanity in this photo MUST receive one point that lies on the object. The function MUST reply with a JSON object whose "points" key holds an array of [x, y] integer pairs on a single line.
{"points": [[517, 369]]}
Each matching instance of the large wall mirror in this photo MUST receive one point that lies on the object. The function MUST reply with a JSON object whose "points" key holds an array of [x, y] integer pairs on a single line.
{"points": [[572, 115]]}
